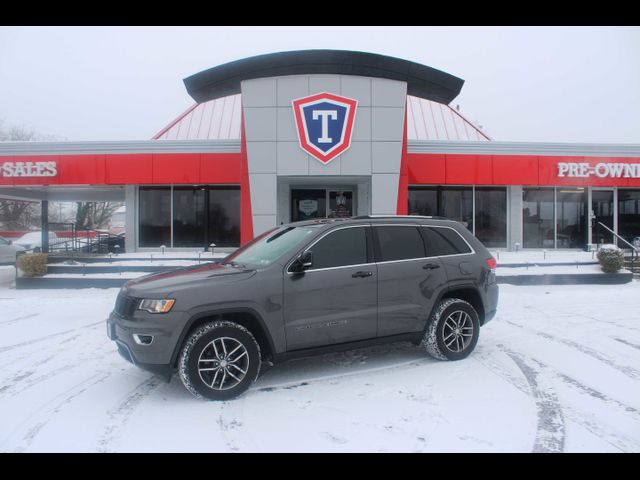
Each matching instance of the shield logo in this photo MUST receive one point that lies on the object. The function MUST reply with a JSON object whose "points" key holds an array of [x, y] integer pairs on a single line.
{"points": [[324, 123]]}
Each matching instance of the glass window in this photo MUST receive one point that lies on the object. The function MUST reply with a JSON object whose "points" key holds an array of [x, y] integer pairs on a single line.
{"points": [[454, 203], [444, 241], [602, 207], [264, 250], [628, 214], [224, 216], [188, 217], [3, 241], [457, 204], [399, 243], [306, 204], [491, 216], [155, 216], [423, 201], [340, 204], [347, 246], [537, 218], [571, 227]]}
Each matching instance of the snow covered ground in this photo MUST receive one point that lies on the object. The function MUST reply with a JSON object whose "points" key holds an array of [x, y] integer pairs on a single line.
{"points": [[557, 370]]}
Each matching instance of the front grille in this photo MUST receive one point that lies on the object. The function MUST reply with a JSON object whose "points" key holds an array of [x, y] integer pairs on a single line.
{"points": [[125, 306]]}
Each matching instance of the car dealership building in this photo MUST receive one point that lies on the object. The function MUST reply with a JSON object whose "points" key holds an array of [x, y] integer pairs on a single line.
{"points": [[320, 133]]}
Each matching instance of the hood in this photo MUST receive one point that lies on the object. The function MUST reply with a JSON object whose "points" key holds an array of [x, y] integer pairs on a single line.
{"points": [[163, 283]]}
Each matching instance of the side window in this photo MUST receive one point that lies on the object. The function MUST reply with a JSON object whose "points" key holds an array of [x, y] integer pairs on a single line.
{"points": [[347, 246], [444, 241], [3, 241], [400, 243]]}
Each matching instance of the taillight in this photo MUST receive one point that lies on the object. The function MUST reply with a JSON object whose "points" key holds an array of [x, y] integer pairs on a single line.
{"points": [[491, 263]]}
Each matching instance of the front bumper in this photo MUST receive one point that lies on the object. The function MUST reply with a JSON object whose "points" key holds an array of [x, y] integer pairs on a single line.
{"points": [[154, 357]]}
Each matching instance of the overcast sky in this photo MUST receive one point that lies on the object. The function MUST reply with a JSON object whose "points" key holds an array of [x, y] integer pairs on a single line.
{"points": [[550, 84]]}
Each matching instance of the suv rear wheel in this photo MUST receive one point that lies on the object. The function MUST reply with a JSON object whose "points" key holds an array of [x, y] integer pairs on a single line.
{"points": [[453, 330], [219, 360]]}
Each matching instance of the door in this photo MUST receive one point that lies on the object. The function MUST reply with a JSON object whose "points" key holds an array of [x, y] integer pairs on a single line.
{"points": [[335, 300], [602, 209], [308, 203], [408, 281], [340, 204]]}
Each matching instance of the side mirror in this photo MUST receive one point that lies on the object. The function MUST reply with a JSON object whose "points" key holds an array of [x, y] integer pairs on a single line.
{"points": [[302, 263], [10, 242]]}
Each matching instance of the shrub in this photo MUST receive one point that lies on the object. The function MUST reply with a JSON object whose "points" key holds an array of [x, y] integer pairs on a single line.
{"points": [[32, 264], [611, 258]]}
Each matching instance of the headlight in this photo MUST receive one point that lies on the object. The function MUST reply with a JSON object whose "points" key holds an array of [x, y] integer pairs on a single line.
{"points": [[156, 306]]}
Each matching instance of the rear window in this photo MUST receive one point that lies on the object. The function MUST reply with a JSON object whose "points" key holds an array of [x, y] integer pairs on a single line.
{"points": [[400, 243], [444, 241]]}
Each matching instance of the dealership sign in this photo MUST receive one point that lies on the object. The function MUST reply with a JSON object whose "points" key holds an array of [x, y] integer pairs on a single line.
{"points": [[324, 123], [28, 169], [600, 170]]}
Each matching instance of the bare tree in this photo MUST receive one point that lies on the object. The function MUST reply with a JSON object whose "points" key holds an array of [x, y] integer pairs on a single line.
{"points": [[95, 215], [21, 133], [18, 214]]}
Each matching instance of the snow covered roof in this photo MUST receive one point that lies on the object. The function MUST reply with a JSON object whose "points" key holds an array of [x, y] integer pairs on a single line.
{"points": [[219, 119]]}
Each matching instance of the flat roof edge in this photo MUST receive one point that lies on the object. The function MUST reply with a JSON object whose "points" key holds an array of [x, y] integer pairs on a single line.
{"points": [[526, 148], [115, 147]]}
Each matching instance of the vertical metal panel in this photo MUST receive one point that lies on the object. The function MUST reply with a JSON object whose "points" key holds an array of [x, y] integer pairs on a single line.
{"points": [[213, 120], [434, 121]]}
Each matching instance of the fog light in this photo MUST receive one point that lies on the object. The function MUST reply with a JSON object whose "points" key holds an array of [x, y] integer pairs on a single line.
{"points": [[143, 339]]}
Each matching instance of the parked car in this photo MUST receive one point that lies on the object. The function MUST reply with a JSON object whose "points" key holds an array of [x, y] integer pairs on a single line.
{"points": [[32, 241], [9, 251], [309, 287]]}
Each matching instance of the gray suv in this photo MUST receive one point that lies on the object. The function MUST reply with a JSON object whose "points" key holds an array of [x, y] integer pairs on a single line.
{"points": [[309, 287]]}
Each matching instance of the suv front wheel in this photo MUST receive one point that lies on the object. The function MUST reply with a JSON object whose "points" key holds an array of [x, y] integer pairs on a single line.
{"points": [[219, 360], [453, 330]]}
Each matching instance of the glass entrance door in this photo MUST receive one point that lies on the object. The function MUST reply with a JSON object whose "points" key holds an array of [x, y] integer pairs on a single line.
{"points": [[602, 209], [340, 204], [320, 203], [308, 203]]}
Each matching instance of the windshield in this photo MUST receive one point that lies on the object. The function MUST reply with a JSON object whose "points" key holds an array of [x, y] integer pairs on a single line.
{"points": [[262, 252]]}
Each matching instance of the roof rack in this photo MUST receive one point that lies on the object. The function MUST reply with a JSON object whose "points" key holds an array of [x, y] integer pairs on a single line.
{"points": [[363, 217]]}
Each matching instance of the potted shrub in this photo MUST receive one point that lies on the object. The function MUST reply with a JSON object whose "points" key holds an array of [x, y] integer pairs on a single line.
{"points": [[32, 264], [611, 258]]}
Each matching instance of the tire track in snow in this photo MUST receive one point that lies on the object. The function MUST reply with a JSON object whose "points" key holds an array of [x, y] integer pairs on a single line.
{"points": [[49, 337], [550, 431], [610, 436], [13, 320], [637, 347], [119, 416], [44, 414], [626, 370], [31, 376]]}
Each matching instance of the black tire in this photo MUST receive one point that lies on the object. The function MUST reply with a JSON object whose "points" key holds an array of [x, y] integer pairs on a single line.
{"points": [[446, 337], [208, 368]]}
